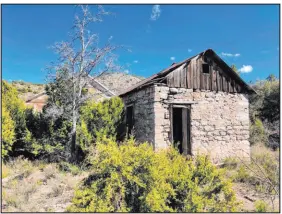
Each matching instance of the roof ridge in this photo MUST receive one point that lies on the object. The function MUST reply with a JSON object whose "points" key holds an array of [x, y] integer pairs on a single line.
{"points": [[176, 65], [36, 96]]}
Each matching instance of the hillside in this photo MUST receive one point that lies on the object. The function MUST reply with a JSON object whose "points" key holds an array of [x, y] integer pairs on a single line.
{"points": [[27, 89], [116, 82]]}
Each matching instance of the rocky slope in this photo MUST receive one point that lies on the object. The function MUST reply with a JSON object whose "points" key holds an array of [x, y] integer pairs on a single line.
{"points": [[116, 82]]}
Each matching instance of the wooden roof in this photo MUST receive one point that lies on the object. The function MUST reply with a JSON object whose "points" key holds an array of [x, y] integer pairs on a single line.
{"points": [[162, 74]]}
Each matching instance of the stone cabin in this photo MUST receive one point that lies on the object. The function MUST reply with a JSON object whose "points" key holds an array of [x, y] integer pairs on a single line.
{"points": [[199, 105]]}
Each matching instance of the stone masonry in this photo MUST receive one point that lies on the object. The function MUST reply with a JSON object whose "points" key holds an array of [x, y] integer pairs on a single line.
{"points": [[219, 120], [144, 118]]}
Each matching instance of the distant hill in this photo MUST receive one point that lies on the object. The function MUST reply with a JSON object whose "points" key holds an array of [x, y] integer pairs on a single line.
{"points": [[27, 89], [116, 82]]}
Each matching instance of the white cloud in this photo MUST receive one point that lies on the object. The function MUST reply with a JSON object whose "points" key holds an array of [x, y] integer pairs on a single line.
{"points": [[246, 69], [126, 71], [230, 54], [135, 61], [156, 12], [172, 58], [189, 50]]}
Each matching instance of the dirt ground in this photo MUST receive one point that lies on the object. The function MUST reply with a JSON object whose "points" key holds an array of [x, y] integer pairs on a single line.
{"points": [[45, 190], [248, 196]]}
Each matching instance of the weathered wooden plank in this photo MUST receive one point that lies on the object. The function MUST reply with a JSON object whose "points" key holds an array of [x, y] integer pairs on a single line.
{"points": [[221, 81], [239, 89], [217, 80], [194, 71], [188, 70], [224, 88], [231, 86], [180, 77], [211, 78], [234, 87], [175, 78], [171, 80], [214, 80], [183, 78], [202, 81], [199, 70], [184, 131]]}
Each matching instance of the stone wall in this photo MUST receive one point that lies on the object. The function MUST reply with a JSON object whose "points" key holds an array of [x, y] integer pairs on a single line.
{"points": [[219, 121], [144, 117]]}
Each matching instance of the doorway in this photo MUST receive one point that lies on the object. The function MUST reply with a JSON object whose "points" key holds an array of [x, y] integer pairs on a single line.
{"points": [[181, 128], [129, 120]]}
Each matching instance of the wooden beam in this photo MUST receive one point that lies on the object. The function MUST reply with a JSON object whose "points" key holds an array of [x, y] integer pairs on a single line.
{"points": [[184, 131]]}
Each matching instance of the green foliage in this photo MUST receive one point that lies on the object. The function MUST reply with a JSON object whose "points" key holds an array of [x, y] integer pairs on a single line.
{"points": [[242, 175], [261, 206], [230, 163], [22, 90], [131, 177], [8, 132], [265, 171], [85, 139], [265, 105], [51, 137], [257, 132], [234, 68], [102, 118], [16, 109], [68, 167]]}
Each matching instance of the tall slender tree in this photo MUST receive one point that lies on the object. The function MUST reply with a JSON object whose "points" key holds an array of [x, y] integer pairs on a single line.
{"points": [[78, 58]]}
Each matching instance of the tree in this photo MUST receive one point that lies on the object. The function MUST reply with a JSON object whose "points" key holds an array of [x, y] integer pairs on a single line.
{"points": [[271, 78], [16, 110], [234, 68], [8, 132], [78, 58]]}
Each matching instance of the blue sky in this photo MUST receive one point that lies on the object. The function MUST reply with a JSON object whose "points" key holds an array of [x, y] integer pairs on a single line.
{"points": [[158, 35]]}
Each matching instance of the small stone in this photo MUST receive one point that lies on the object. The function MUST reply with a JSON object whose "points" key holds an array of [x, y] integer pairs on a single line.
{"points": [[173, 90]]}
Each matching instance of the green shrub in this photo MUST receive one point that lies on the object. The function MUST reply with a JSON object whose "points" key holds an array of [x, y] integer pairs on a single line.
{"points": [[261, 206], [22, 90], [15, 107], [8, 132], [242, 175], [68, 167], [257, 132], [230, 163], [29, 89], [265, 170], [131, 177], [99, 119]]}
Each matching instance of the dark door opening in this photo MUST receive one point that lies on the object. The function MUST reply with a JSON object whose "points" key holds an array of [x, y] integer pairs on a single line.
{"points": [[181, 129], [129, 120], [177, 128]]}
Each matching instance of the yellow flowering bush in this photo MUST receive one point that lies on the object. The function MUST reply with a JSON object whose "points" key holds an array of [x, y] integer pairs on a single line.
{"points": [[131, 177]]}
